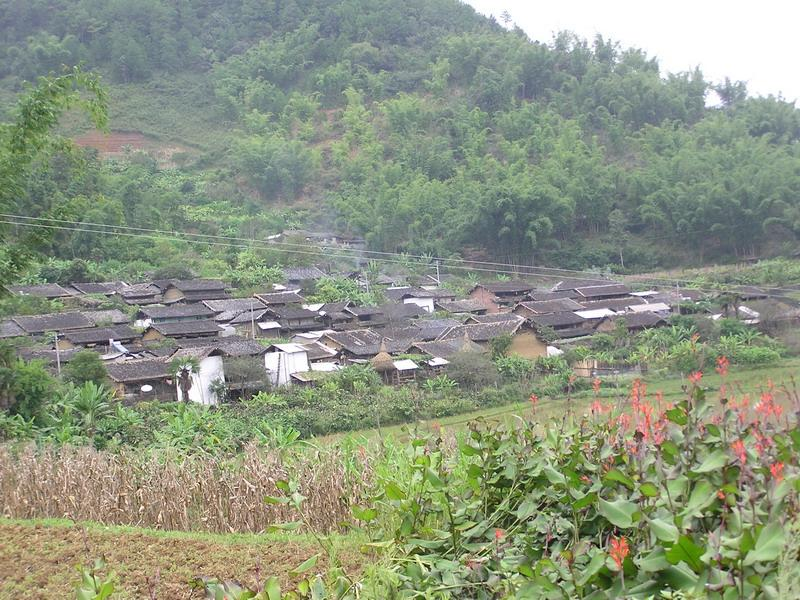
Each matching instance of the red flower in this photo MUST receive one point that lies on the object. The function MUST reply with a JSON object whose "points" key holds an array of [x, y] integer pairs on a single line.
{"points": [[499, 534], [739, 450], [619, 550], [777, 471], [596, 385], [720, 494], [722, 366], [695, 377]]}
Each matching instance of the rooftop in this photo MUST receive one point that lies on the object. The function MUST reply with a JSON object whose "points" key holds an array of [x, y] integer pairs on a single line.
{"points": [[44, 290], [177, 311], [143, 369], [53, 322], [207, 327]]}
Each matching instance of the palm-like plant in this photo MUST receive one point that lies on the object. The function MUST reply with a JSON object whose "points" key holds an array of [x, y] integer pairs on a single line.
{"points": [[89, 404], [182, 369]]}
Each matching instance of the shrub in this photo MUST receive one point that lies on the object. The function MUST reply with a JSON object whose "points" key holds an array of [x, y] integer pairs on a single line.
{"points": [[472, 370], [755, 355], [85, 366]]}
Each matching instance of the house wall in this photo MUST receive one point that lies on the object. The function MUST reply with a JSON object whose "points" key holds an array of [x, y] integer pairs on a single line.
{"points": [[486, 298], [210, 370], [64, 344], [281, 365], [425, 303], [527, 345]]}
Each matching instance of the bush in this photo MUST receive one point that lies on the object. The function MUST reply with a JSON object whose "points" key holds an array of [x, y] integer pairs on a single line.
{"points": [[85, 366], [755, 355], [472, 370]]}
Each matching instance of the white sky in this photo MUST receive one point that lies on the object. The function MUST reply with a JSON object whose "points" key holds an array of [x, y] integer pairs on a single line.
{"points": [[754, 42]]}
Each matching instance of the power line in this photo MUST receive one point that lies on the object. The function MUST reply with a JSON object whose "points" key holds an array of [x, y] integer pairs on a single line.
{"points": [[509, 269], [265, 244]]}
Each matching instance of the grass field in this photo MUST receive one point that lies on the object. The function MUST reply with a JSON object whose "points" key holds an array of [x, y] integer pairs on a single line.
{"points": [[38, 559]]}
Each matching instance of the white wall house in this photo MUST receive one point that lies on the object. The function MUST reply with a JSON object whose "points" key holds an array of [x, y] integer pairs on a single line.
{"points": [[211, 370], [284, 360], [424, 303]]}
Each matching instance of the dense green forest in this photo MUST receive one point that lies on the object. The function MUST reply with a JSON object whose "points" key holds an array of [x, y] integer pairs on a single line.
{"points": [[419, 125]]}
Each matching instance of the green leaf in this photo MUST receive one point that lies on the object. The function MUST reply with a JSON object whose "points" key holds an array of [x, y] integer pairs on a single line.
{"points": [[468, 450], [364, 514], [589, 571], [619, 477], [619, 513], [584, 501], [290, 526], [768, 545], [677, 415], [554, 476], [713, 462], [701, 497], [272, 588], [432, 478], [654, 562], [304, 566], [685, 550], [275, 500], [665, 531], [393, 491], [649, 490]]}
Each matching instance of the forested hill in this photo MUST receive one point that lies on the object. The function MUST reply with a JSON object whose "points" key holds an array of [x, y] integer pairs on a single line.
{"points": [[418, 124]]}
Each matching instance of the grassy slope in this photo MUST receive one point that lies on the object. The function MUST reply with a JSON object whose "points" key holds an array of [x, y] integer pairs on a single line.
{"points": [[38, 558]]}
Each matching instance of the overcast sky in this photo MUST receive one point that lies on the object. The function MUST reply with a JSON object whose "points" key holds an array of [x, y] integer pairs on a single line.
{"points": [[750, 41]]}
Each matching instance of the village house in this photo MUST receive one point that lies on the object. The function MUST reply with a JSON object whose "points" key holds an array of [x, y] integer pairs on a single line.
{"points": [[292, 318], [616, 304], [228, 309], [192, 290], [103, 318], [142, 379], [448, 348], [461, 307], [633, 322], [394, 371], [258, 323], [424, 298], [543, 307], [283, 360], [175, 313], [603, 292], [54, 322], [498, 296], [50, 291], [140, 294], [204, 378], [296, 276], [96, 336], [274, 299], [524, 340], [361, 344], [105, 288], [181, 329], [563, 324], [333, 315], [572, 284], [545, 295]]}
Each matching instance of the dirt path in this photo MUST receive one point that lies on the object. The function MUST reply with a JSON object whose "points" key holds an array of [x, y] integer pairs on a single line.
{"points": [[38, 561]]}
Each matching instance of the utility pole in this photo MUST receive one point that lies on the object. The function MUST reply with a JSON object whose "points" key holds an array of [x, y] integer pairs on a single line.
{"points": [[678, 294], [252, 321], [58, 354], [438, 277]]}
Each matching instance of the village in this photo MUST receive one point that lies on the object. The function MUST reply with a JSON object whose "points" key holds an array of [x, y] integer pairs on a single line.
{"points": [[274, 338]]}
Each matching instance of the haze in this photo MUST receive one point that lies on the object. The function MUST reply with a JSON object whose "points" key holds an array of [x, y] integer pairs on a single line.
{"points": [[752, 42]]}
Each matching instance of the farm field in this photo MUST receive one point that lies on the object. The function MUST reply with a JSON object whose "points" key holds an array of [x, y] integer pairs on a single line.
{"points": [[744, 380], [38, 559]]}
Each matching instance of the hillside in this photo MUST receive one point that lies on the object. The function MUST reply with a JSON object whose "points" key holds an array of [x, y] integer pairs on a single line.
{"points": [[420, 126]]}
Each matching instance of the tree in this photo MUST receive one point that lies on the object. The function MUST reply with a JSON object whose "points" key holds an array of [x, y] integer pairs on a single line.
{"points": [[85, 366], [183, 369], [27, 137]]}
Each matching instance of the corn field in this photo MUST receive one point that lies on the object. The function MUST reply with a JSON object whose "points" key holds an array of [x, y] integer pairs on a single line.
{"points": [[191, 494]]}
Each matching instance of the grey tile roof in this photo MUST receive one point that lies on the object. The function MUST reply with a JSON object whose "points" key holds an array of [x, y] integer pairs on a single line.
{"points": [[603, 291], [574, 283], [278, 298], [144, 369], [550, 306], [613, 303], [198, 285], [180, 328], [45, 290], [562, 319], [97, 335], [494, 318], [540, 295], [507, 287], [103, 317], [105, 287], [233, 304], [9, 329], [447, 348], [461, 306], [482, 332], [302, 273], [53, 322], [177, 311]]}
